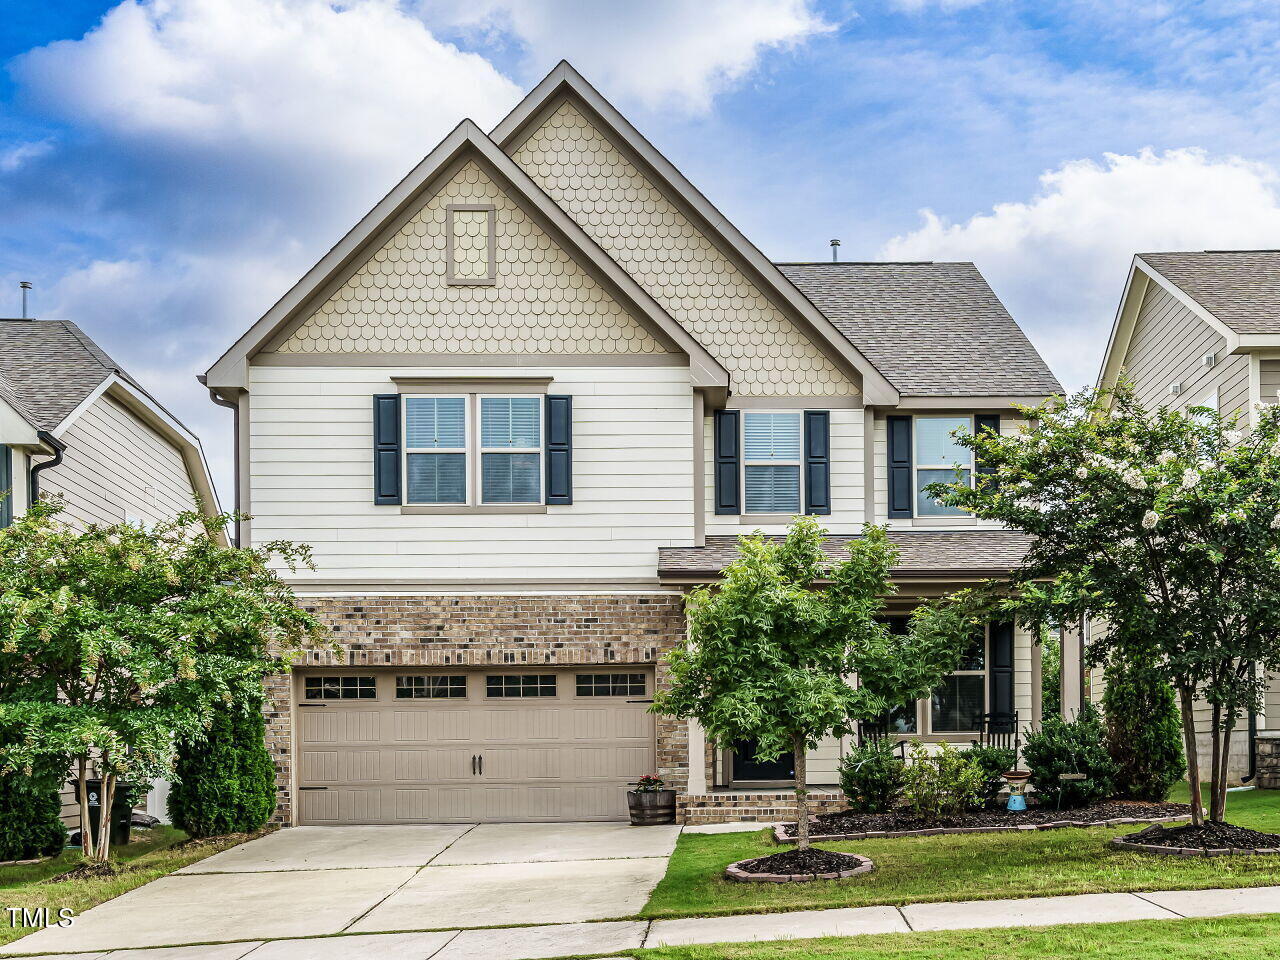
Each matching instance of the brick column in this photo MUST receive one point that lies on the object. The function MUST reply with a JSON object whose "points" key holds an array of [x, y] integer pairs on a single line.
{"points": [[1268, 745]]}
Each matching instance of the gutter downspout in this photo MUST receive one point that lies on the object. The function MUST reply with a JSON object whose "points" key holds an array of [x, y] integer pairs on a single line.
{"points": [[1253, 737], [235, 434], [59, 448]]}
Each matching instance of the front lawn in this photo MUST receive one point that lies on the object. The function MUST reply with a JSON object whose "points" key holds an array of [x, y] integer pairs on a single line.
{"points": [[1238, 938], [959, 867], [152, 854]]}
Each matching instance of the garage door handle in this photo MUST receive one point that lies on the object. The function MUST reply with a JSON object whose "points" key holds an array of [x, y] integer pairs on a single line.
{"points": [[481, 764], [473, 764], [313, 704], [313, 788], [629, 701]]}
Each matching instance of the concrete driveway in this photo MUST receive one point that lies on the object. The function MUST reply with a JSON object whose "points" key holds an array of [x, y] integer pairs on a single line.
{"points": [[318, 881]]}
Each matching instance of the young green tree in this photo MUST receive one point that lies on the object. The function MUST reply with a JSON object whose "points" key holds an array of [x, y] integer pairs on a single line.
{"points": [[1144, 729], [771, 649], [118, 642], [1163, 524]]}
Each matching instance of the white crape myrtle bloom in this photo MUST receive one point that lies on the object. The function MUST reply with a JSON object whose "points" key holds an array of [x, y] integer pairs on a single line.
{"points": [[1233, 436], [1190, 478], [1150, 519], [1133, 477], [1275, 522], [1082, 472], [1166, 457]]}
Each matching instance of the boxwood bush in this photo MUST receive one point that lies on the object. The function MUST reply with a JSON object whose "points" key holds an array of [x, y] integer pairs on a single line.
{"points": [[226, 783], [31, 816], [1076, 747], [872, 777]]}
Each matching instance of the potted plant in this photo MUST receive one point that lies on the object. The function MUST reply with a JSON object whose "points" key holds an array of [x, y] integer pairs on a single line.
{"points": [[650, 804]]}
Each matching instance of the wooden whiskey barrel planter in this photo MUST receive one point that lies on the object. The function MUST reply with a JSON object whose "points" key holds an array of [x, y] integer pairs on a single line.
{"points": [[651, 807]]}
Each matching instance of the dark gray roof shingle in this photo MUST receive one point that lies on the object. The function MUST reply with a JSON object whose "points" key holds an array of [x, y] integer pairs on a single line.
{"points": [[932, 329], [50, 367], [979, 553], [1239, 287]]}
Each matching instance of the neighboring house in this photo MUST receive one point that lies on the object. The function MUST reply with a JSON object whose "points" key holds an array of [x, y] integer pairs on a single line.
{"points": [[74, 425], [1198, 329], [532, 398]]}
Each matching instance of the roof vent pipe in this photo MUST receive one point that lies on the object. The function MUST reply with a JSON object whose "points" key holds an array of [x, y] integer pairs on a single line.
{"points": [[835, 252], [25, 286]]}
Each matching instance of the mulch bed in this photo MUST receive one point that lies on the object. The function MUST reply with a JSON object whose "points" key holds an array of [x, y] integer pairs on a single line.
{"points": [[1210, 839], [863, 826], [797, 866]]}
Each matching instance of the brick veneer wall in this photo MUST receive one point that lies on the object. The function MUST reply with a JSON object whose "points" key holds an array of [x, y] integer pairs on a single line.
{"points": [[489, 630], [772, 806]]}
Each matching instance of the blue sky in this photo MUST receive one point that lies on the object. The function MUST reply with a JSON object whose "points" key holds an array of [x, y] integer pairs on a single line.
{"points": [[169, 168]]}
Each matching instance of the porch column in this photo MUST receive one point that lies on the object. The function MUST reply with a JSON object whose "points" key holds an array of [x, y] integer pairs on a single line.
{"points": [[697, 758], [1072, 670]]}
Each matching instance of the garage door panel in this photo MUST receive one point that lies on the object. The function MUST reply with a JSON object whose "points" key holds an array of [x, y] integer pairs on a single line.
{"points": [[384, 758]]}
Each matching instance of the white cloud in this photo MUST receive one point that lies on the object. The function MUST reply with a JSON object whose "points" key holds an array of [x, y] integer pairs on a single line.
{"points": [[1059, 259], [361, 82], [13, 157], [661, 52]]}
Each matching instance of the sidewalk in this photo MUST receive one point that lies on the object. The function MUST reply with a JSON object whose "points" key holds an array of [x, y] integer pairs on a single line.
{"points": [[577, 939]]}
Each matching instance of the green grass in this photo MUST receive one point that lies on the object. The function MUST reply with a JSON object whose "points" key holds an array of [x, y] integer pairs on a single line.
{"points": [[960, 867], [152, 854], [1238, 938]]}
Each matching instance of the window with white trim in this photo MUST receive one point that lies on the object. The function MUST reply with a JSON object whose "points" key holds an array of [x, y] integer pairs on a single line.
{"points": [[435, 450], [937, 457], [958, 704], [771, 462], [511, 449]]}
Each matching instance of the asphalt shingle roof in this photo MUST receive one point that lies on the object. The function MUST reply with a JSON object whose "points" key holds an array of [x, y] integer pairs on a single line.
{"points": [[48, 367], [981, 553], [932, 329], [1239, 287]]}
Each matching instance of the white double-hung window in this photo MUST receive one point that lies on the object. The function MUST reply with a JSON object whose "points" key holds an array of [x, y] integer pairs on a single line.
{"points": [[511, 449], [473, 450], [937, 457], [435, 444], [771, 462]]}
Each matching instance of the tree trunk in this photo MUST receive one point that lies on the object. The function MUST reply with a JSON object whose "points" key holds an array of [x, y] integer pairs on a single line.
{"points": [[104, 817], [1186, 698], [86, 835], [1220, 786], [802, 793], [1216, 770]]}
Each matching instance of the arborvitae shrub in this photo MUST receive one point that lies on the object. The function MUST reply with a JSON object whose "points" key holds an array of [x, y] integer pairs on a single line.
{"points": [[1144, 731], [30, 816], [226, 783]]}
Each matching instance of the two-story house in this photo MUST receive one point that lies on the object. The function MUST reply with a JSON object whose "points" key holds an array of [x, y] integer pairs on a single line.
{"points": [[1202, 329], [76, 426], [532, 397]]}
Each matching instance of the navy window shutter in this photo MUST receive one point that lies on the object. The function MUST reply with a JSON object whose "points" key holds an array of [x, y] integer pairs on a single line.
{"points": [[386, 448], [901, 494], [817, 462], [559, 449], [728, 461], [985, 421], [1000, 667]]}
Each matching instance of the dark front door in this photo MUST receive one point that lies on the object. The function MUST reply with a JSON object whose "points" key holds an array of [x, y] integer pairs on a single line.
{"points": [[748, 769]]}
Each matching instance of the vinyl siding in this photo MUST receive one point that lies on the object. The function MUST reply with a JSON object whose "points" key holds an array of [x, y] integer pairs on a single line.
{"points": [[1167, 346], [115, 467], [847, 502], [1269, 381], [312, 480]]}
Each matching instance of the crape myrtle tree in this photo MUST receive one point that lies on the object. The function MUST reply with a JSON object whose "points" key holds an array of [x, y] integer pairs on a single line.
{"points": [[1161, 524], [117, 642], [771, 649]]}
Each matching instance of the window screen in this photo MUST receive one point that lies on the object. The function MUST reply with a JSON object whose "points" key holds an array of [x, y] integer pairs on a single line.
{"points": [[511, 449], [937, 456], [771, 462], [439, 425]]}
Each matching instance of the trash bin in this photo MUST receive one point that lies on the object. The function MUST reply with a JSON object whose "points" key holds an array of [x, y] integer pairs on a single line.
{"points": [[121, 812]]}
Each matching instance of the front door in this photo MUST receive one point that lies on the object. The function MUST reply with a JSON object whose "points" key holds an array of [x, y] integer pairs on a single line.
{"points": [[747, 769]]}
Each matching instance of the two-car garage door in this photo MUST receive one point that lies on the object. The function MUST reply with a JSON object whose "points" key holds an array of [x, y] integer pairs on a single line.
{"points": [[405, 745]]}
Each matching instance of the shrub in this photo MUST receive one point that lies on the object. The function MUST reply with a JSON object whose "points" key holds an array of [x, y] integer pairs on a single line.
{"points": [[1144, 731], [226, 782], [30, 817], [1050, 675], [1076, 747], [872, 777], [941, 784], [993, 762]]}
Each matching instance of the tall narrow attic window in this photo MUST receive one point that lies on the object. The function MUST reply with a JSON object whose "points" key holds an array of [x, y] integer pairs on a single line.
{"points": [[470, 245]]}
